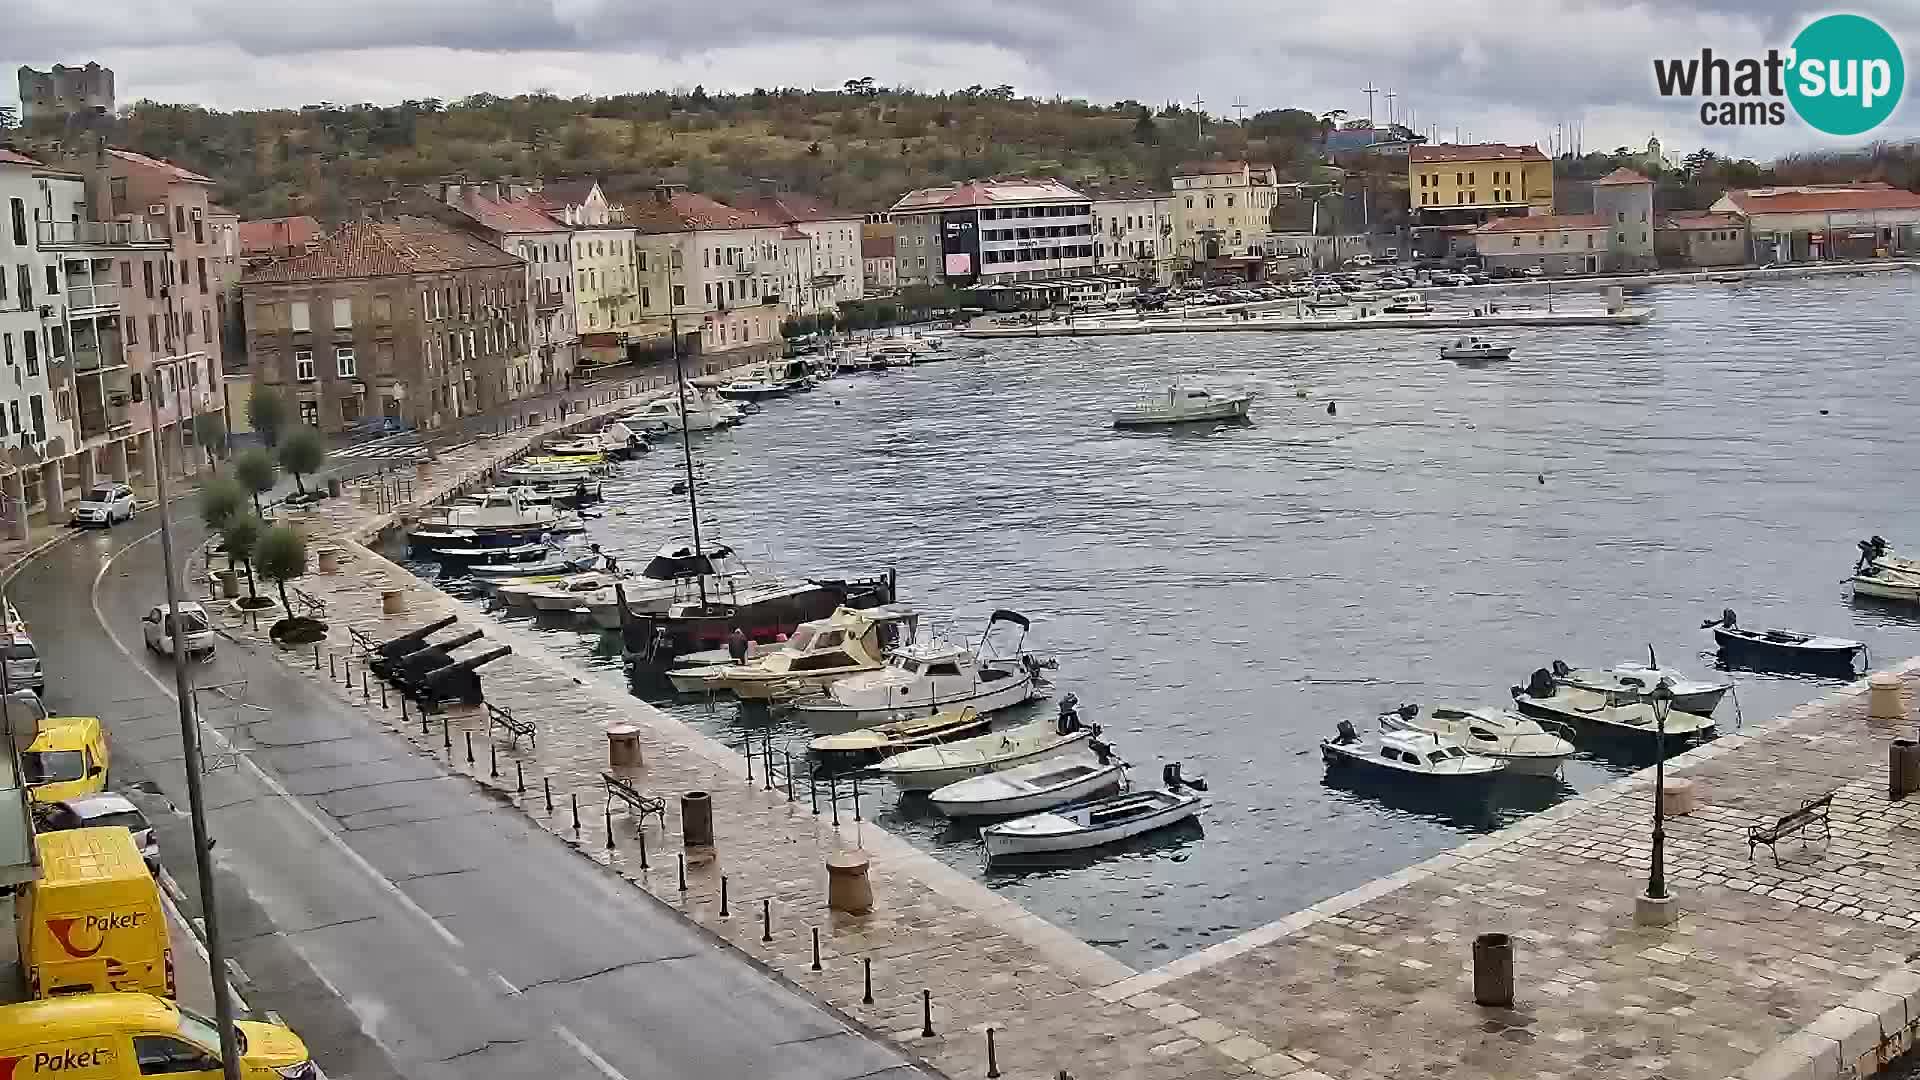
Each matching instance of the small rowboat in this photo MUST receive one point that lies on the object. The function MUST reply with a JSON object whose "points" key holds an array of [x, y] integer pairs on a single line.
{"points": [[1028, 789], [932, 767], [901, 735], [1090, 824], [1787, 650]]}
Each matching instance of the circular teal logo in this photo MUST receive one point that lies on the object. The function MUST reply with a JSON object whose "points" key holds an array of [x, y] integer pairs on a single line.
{"points": [[1847, 74]]}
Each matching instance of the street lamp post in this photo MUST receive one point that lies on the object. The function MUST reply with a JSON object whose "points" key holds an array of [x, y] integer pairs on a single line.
{"points": [[1655, 907], [190, 745]]}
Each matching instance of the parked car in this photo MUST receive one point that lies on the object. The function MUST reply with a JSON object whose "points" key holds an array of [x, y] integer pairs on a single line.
{"points": [[193, 634], [104, 506], [1535, 271], [98, 812]]}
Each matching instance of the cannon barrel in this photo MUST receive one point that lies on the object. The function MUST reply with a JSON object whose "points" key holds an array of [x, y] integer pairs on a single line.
{"points": [[467, 638], [414, 665], [471, 663], [413, 639]]}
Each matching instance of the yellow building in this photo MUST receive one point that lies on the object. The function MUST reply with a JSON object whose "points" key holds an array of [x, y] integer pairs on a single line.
{"points": [[1454, 189], [1221, 209]]}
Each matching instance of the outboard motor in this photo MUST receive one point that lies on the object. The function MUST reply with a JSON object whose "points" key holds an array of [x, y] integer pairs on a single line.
{"points": [[1406, 712], [1102, 752], [1539, 684], [1170, 776], [1560, 669], [1726, 619], [1069, 720], [1344, 734]]}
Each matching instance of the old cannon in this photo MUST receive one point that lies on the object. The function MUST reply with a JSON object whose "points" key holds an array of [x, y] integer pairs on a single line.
{"points": [[457, 681], [385, 653], [408, 671]]}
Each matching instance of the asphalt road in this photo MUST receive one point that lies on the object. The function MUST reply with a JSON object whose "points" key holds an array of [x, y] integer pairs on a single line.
{"points": [[402, 922]]}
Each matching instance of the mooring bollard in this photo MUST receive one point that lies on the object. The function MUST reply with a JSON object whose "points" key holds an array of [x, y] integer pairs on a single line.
{"points": [[856, 796], [723, 896], [403, 716], [993, 1064], [446, 735], [926, 1014], [816, 949], [766, 919], [383, 693], [866, 972], [1493, 971], [833, 798], [747, 748], [333, 667], [366, 692], [813, 794]]}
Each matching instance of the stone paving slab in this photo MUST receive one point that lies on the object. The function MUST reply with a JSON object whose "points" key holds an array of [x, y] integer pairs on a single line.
{"points": [[1795, 970]]}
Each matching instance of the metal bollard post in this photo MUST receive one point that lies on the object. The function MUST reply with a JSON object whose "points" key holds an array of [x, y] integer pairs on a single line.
{"points": [[993, 1064], [926, 1014], [493, 757], [833, 799], [766, 919], [682, 861], [366, 692], [787, 763], [747, 748], [546, 788], [446, 736], [575, 800], [866, 968], [469, 747], [349, 667], [816, 950], [856, 796], [609, 813], [813, 794], [723, 896], [766, 759], [383, 693], [316, 656], [403, 716], [519, 779], [333, 667], [643, 845]]}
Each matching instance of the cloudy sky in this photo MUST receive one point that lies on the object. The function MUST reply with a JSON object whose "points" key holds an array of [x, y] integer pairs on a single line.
{"points": [[1495, 70]]}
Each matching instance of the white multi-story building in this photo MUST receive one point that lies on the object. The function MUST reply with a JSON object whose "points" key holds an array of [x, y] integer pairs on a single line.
{"points": [[508, 218], [606, 293], [1132, 229], [986, 232], [834, 275], [706, 265], [1221, 209]]}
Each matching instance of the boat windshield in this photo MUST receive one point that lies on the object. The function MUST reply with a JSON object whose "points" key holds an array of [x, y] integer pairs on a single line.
{"points": [[802, 639], [1455, 752], [906, 663]]}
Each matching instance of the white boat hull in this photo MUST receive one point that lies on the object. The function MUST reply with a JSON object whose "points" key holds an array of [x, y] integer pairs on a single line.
{"points": [[1229, 409], [1015, 689], [1000, 845], [952, 800], [1906, 590], [937, 778]]}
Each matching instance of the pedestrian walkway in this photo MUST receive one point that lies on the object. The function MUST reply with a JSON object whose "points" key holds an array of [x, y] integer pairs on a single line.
{"points": [[394, 447], [1770, 971]]}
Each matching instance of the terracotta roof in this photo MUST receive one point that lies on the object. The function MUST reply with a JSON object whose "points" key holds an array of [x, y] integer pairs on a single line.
{"points": [[1623, 175], [876, 247], [1544, 223], [277, 234], [9, 157], [508, 215], [1116, 189], [1476, 152], [1701, 219], [1815, 200], [684, 211], [1006, 191], [172, 171], [366, 249], [1213, 168], [788, 207], [554, 194]]}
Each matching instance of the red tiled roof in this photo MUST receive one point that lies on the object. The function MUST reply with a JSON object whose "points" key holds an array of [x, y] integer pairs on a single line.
{"points": [[277, 234], [876, 247], [1701, 219], [1544, 223], [9, 157], [365, 249], [1823, 200], [684, 211], [1623, 175], [508, 216], [790, 206], [172, 171], [1476, 152], [554, 194]]}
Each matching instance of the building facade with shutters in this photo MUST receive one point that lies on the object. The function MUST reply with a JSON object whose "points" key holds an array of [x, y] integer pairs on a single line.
{"points": [[407, 319]]}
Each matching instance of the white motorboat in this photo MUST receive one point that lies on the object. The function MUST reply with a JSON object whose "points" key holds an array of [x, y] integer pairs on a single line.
{"points": [[1027, 789], [565, 593], [847, 642], [617, 440], [902, 352], [704, 412], [1634, 681], [1091, 824], [581, 448], [1408, 303], [930, 768], [1183, 405], [1615, 714], [926, 677], [1883, 584], [1407, 754], [503, 519], [549, 470], [776, 379], [886, 740], [1474, 348], [1528, 748], [674, 575], [1877, 552]]}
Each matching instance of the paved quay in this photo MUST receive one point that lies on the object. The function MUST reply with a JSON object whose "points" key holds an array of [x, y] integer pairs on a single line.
{"points": [[1799, 970]]}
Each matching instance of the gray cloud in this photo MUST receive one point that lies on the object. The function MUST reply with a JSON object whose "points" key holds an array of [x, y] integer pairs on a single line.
{"points": [[1504, 70]]}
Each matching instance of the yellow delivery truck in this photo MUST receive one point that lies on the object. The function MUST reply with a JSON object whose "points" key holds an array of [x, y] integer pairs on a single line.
{"points": [[128, 1036], [93, 921]]}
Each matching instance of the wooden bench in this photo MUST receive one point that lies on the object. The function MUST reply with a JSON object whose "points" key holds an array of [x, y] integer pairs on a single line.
{"points": [[636, 802], [1812, 812]]}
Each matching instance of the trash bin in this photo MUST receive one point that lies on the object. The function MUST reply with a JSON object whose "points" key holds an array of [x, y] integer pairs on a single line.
{"points": [[1493, 971], [333, 487], [623, 746], [696, 819], [1903, 768], [230, 584]]}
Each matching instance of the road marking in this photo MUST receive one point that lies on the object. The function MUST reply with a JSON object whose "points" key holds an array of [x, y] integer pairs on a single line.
{"points": [[586, 1051], [505, 983], [267, 780]]}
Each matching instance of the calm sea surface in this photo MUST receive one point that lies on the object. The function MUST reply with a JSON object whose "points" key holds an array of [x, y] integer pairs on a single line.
{"points": [[1223, 597]]}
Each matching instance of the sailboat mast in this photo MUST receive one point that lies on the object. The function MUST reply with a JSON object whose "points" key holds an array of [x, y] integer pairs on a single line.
{"points": [[686, 452]]}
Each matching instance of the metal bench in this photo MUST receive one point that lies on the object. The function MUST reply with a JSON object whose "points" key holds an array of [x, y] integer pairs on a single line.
{"points": [[515, 726], [1812, 812], [636, 802]]}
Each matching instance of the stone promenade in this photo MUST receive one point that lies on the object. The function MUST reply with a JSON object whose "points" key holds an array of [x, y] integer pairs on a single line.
{"points": [[1793, 971]]}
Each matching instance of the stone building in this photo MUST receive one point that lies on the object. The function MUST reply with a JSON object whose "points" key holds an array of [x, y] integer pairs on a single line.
{"points": [[1701, 239], [710, 272], [1625, 199], [1555, 243], [407, 319], [831, 268], [66, 94]]}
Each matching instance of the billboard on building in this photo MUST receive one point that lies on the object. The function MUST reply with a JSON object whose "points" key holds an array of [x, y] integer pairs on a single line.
{"points": [[960, 243]]}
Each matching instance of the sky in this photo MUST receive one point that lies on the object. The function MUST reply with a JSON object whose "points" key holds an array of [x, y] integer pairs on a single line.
{"points": [[1488, 70]]}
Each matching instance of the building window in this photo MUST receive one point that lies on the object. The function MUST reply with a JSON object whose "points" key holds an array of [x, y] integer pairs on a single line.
{"points": [[310, 413], [146, 276], [679, 295], [1516, 241], [383, 309], [187, 331], [300, 318], [342, 313], [19, 222], [303, 365], [30, 350], [1589, 241], [343, 361], [201, 267]]}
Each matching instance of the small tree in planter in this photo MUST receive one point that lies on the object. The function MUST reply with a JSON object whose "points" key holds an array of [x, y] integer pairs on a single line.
{"points": [[210, 431], [220, 499], [302, 452], [257, 473], [242, 533], [267, 412], [281, 556]]}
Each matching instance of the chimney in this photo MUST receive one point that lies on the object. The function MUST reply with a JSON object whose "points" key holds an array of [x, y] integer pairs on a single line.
{"points": [[450, 193]]}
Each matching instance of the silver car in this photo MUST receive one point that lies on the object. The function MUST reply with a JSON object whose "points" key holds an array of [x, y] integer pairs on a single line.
{"points": [[103, 811]]}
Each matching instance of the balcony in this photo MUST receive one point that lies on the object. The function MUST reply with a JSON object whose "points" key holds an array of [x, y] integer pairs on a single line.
{"points": [[744, 267], [90, 299], [67, 235]]}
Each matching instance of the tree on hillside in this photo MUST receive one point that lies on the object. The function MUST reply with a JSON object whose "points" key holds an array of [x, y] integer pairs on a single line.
{"points": [[303, 452], [1143, 129], [267, 412]]}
